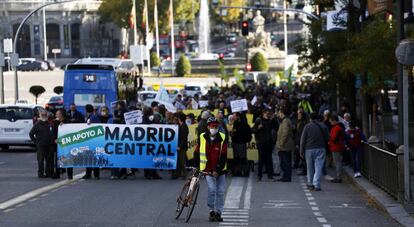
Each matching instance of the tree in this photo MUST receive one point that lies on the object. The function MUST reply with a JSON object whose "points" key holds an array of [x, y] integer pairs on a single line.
{"points": [[155, 61], [58, 90], [183, 67], [36, 91], [259, 62], [232, 14]]}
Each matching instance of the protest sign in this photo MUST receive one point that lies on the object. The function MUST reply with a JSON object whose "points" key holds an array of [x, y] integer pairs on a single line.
{"points": [[252, 153], [133, 117], [117, 146], [238, 105], [202, 103]]}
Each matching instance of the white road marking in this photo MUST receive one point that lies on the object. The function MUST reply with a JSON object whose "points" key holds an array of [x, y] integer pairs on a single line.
{"points": [[314, 207], [1, 163], [236, 220], [8, 210], [44, 195], [248, 193], [322, 220], [232, 224], [35, 193], [234, 193], [234, 216], [32, 200], [319, 214]]}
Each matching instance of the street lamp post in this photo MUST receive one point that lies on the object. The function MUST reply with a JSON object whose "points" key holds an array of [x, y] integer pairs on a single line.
{"points": [[16, 82]]}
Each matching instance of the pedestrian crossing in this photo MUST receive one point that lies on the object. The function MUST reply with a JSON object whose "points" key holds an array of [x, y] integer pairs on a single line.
{"points": [[236, 212], [235, 217]]}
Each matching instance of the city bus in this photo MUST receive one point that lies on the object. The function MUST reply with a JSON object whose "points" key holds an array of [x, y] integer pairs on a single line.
{"points": [[98, 85]]}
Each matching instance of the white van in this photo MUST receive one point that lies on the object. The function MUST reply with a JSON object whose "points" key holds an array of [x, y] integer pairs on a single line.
{"points": [[16, 121]]}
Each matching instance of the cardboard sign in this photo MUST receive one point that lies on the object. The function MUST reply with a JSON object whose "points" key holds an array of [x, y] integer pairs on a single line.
{"points": [[202, 103], [133, 117], [238, 105]]}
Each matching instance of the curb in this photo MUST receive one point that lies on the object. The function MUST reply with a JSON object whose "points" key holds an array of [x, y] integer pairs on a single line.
{"points": [[382, 199]]}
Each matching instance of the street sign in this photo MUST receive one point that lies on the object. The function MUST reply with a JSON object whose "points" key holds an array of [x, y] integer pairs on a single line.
{"points": [[405, 52], [8, 45], [136, 54], [2, 60], [14, 59], [56, 51]]}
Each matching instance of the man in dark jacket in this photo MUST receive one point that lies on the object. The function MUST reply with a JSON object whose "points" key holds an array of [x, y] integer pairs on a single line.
{"points": [[262, 129], [60, 119], [182, 146], [312, 146], [240, 136], [74, 116], [212, 151], [41, 135]]}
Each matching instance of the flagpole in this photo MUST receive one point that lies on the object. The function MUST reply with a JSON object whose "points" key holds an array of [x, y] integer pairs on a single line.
{"points": [[147, 38], [134, 19], [157, 37], [172, 37]]}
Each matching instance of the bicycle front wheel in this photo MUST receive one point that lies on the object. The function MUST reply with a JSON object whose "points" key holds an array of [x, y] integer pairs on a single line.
{"points": [[192, 202], [181, 200]]}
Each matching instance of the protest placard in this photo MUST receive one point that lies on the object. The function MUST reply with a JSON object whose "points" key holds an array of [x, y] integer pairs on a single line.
{"points": [[202, 103], [238, 105], [133, 117]]}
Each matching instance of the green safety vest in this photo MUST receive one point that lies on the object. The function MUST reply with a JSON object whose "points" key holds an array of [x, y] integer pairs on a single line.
{"points": [[203, 156], [306, 106]]}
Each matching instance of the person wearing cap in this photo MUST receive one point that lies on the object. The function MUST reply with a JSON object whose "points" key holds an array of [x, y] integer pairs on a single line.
{"points": [[212, 152]]}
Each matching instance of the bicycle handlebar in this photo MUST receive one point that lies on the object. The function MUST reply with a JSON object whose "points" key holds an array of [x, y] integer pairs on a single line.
{"points": [[197, 170]]}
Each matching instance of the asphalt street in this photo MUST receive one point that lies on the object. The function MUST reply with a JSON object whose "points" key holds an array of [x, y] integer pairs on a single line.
{"points": [[26, 200]]}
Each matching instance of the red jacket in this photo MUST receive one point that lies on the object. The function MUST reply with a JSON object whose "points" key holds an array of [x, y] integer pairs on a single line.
{"points": [[216, 156], [337, 139]]}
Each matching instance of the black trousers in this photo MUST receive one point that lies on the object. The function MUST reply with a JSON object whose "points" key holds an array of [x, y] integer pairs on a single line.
{"points": [[44, 158], [265, 158], [89, 172], [285, 158]]}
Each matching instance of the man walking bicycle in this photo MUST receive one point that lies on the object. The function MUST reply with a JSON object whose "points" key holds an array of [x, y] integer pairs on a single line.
{"points": [[212, 149]]}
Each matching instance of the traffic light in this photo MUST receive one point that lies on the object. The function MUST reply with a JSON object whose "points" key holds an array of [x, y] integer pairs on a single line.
{"points": [[248, 67], [245, 28], [221, 56]]}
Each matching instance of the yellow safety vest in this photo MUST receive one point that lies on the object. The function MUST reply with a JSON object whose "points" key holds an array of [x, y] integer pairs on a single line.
{"points": [[203, 156]]}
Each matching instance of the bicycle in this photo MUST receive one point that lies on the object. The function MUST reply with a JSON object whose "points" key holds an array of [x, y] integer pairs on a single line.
{"points": [[189, 193]]}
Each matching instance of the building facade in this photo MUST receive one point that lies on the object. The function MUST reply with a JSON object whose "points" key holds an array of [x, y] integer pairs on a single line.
{"points": [[72, 29]]}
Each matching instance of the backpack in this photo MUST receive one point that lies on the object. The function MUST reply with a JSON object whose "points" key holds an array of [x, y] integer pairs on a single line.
{"points": [[354, 137]]}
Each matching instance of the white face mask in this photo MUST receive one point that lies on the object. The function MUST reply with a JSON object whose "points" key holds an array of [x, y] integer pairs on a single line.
{"points": [[188, 121], [213, 131]]}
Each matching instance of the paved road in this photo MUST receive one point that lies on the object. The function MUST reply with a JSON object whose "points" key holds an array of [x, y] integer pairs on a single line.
{"points": [[140, 202], [51, 79]]}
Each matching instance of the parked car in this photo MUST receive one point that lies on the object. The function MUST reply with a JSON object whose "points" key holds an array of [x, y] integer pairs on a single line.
{"points": [[193, 88], [16, 121], [55, 103], [27, 65]]}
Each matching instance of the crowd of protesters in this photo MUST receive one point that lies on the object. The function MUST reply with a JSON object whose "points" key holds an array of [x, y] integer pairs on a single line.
{"points": [[294, 129]]}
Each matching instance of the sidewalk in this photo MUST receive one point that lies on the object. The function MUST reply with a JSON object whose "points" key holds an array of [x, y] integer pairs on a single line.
{"points": [[382, 199]]}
